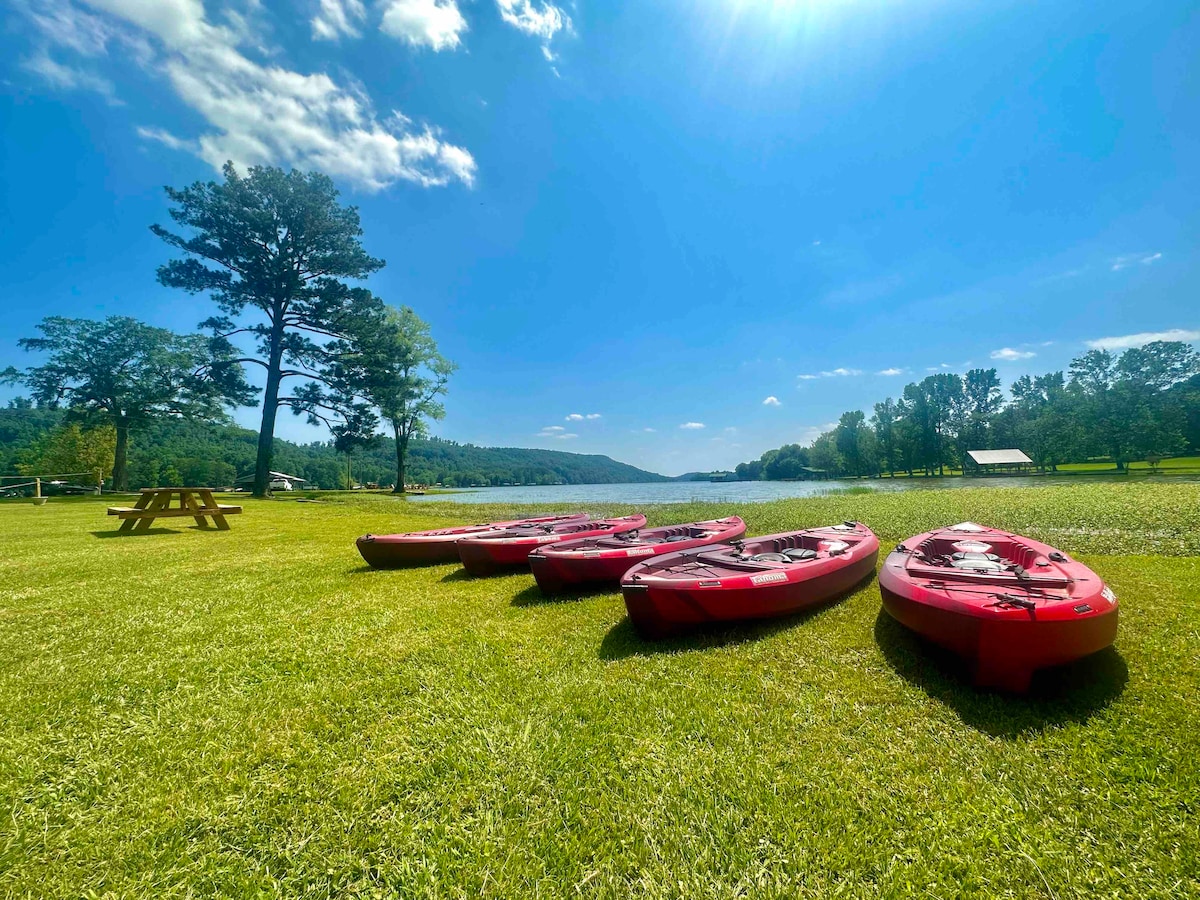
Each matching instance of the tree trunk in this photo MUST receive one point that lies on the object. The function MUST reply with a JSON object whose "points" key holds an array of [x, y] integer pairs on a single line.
{"points": [[266, 431], [120, 473], [401, 449]]}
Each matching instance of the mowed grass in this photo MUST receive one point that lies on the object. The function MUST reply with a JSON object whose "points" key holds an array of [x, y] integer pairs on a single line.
{"points": [[255, 713]]}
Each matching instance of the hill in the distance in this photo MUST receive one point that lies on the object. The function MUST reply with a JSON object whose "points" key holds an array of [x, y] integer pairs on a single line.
{"points": [[186, 452]]}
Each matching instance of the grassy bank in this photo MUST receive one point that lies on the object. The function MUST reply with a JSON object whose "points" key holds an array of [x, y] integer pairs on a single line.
{"points": [[254, 712]]}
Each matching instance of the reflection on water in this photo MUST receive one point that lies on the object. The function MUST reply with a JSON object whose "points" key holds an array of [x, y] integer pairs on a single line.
{"points": [[759, 491]]}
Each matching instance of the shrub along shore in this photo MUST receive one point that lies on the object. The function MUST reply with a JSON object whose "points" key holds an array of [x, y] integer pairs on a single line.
{"points": [[256, 712]]}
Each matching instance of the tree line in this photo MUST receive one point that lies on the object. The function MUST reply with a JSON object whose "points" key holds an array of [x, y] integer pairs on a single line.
{"points": [[173, 452], [275, 251], [1142, 404]]}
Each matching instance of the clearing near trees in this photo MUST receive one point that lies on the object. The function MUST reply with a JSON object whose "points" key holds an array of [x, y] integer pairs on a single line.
{"points": [[303, 726]]}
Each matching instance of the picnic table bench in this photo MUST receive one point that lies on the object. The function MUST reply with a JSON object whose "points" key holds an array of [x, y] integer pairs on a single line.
{"points": [[155, 503]]}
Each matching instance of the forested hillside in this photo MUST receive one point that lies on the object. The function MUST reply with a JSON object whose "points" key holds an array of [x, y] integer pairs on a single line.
{"points": [[173, 453]]}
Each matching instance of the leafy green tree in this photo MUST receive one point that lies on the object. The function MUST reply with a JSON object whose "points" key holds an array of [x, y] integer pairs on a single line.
{"points": [[128, 374], [1158, 365], [399, 370], [887, 415], [848, 437], [275, 246], [70, 449], [825, 456]]}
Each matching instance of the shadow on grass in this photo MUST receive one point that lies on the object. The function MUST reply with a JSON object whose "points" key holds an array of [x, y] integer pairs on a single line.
{"points": [[126, 534], [1059, 695], [366, 569], [461, 574], [533, 595], [623, 640]]}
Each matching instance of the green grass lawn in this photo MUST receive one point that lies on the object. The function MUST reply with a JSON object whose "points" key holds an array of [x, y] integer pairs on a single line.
{"points": [[255, 713], [1179, 465]]}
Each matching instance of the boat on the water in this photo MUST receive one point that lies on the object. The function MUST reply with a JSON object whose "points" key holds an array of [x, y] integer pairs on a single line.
{"points": [[758, 578], [606, 558], [486, 554], [422, 548], [1007, 604]]}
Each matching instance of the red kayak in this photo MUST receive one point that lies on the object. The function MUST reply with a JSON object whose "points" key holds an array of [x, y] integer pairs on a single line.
{"points": [[416, 548], [485, 554], [1008, 604], [758, 578], [607, 558]]}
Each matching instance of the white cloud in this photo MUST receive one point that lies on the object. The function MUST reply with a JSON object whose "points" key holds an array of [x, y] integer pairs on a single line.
{"points": [[566, 437], [593, 416], [543, 20], [556, 431], [336, 19], [1145, 259], [554, 428], [437, 24], [891, 371], [69, 78], [266, 114], [649, 430], [164, 137], [574, 417], [1008, 354], [771, 401], [839, 372], [692, 426], [1125, 341]]}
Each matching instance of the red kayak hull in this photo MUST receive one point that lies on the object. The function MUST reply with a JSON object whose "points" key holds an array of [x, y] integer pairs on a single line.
{"points": [[487, 554], [602, 560], [1005, 625], [678, 592], [422, 548]]}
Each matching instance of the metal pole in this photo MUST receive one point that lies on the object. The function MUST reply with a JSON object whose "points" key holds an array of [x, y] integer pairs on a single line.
{"points": [[37, 487]]}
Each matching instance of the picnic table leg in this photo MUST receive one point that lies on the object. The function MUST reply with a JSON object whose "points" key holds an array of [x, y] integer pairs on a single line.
{"points": [[210, 501], [128, 524], [160, 501], [188, 501]]}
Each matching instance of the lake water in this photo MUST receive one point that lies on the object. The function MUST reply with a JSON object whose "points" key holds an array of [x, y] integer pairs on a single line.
{"points": [[755, 491]]}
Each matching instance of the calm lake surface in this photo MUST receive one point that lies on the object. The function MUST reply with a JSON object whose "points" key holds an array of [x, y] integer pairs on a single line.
{"points": [[758, 491]]}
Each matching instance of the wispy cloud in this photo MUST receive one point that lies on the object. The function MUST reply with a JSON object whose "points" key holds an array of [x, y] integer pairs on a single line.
{"points": [[579, 417], [253, 113], [557, 432], [1133, 259], [1008, 354], [70, 78], [692, 426], [1125, 341], [772, 401], [164, 137], [336, 19], [839, 372], [890, 372], [542, 20]]}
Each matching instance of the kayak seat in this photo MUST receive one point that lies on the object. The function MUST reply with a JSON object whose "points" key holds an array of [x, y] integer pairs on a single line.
{"points": [[802, 555], [769, 557], [676, 538]]}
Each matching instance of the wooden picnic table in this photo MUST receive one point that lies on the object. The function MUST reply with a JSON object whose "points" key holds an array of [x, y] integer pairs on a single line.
{"points": [[155, 503]]}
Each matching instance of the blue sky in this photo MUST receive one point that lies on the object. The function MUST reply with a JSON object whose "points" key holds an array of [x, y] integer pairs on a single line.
{"points": [[647, 216]]}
